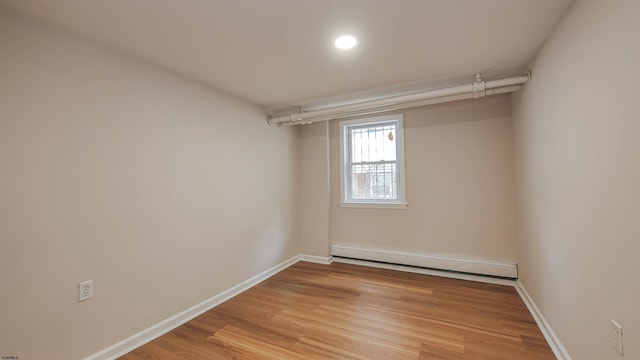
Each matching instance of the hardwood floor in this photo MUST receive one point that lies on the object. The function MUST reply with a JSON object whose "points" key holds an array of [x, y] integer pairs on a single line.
{"points": [[341, 311]]}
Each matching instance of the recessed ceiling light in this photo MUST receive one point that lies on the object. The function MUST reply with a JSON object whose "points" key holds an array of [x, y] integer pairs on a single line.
{"points": [[345, 42]]}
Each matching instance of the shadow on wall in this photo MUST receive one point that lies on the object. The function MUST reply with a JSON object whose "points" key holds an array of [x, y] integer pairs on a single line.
{"points": [[458, 112]]}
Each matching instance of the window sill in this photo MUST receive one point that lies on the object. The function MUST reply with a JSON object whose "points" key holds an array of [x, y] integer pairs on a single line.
{"points": [[375, 205]]}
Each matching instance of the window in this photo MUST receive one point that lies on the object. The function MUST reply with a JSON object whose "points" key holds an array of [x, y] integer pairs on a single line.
{"points": [[372, 171]]}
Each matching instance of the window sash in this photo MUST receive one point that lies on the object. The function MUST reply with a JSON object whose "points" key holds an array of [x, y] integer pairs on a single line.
{"points": [[374, 182], [378, 191]]}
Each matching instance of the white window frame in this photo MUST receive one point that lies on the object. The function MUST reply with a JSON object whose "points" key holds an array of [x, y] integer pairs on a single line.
{"points": [[345, 183]]}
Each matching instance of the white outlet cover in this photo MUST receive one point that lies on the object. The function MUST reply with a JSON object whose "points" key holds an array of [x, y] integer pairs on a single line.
{"points": [[85, 290]]}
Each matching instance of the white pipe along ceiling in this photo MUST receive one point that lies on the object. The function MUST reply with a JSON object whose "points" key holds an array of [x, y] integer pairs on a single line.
{"points": [[477, 89]]}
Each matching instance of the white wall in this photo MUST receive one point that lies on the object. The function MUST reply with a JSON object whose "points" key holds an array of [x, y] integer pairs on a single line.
{"points": [[459, 186], [578, 170], [160, 190], [313, 189], [459, 180]]}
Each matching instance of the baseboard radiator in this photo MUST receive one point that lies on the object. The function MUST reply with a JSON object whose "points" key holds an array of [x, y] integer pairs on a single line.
{"points": [[490, 268]]}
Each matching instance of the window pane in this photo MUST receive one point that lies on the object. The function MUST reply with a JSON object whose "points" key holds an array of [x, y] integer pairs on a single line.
{"points": [[372, 160], [374, 181], [374, 143]]}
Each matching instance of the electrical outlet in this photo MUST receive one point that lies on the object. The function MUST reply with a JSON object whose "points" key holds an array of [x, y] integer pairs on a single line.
{"points": [[616, 336], [273, 235], [85, 290]]}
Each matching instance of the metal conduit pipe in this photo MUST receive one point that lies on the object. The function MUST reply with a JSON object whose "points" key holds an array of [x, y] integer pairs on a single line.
{"points": [[500, 90], [479, 88]]}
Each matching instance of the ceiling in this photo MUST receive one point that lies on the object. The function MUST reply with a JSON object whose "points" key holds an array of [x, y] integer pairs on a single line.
{"points": [[279, 53]]}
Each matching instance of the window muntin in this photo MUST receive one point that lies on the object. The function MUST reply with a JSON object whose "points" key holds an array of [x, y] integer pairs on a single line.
{"points": [[372, 169]]}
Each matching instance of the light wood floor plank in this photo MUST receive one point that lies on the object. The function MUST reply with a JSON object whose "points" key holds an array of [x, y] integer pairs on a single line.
{"points": [[341, 311]]}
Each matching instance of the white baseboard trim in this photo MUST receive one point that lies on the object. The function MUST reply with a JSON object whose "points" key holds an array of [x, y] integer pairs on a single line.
{"points": [[556, 346], [174, 321], [316, 259], [459, 276], [431, 261]]}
